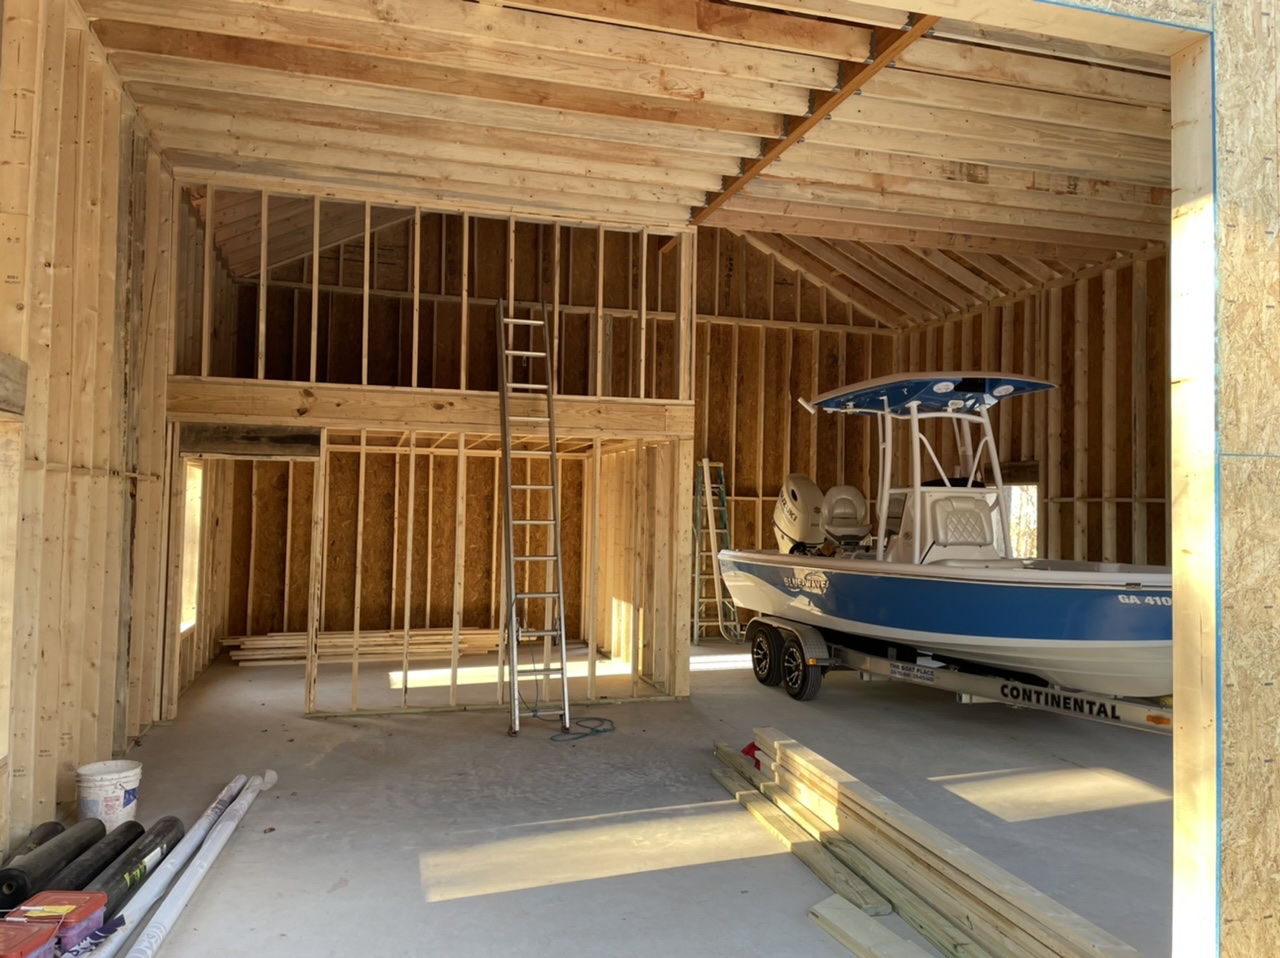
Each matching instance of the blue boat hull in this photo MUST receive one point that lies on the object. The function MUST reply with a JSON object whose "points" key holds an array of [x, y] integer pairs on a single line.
{"points": [[1104, 629]]}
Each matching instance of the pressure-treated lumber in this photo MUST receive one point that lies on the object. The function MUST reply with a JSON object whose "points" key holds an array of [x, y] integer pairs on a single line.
{"points": [[862, 935], [1004, 913], [798, 842], [907, 904]]}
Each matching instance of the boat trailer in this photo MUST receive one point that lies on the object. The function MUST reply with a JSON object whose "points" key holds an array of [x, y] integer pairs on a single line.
{"points": [[796, 656]]}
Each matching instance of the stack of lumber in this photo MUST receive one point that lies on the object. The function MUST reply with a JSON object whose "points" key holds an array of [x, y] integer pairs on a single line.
{"points": [[290, 648], [962, 903]]}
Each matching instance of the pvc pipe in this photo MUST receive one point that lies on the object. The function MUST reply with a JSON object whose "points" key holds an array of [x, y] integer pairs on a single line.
{"points": [[153, 890], [154, 934]]}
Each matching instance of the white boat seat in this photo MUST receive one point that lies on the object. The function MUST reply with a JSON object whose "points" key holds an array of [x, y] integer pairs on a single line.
{"points": [[845, 516], [962, 521]]}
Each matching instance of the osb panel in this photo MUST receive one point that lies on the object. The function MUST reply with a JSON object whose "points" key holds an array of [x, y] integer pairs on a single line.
{"points": [[241, 532], [731, 275], [572, 530], [489, 258], [401, 565], [1250, 707], [345, 314], [746, 426], [442, 342], [478, 574], [707, 260], [830, 376], [757, 302], [620, 271], [421, 541], [385, 340], [776, 410], [664, 359], [300, 546], [443, 536], [340, 559], [379, 531], [786, 300], [720, 379], [578, 262], [431, 253], [271, 517], [813, 302], [801, 385]]}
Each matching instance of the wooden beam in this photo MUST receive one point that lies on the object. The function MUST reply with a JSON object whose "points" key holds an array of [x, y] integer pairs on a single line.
{"points": [[266, 403], [886, 46], [719, 22], [233, 441]]}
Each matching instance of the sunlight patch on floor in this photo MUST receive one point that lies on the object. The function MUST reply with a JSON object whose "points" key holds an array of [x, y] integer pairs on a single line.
{"points": [[719, 663], [488, 674], [594, 847], [1026, 794]]}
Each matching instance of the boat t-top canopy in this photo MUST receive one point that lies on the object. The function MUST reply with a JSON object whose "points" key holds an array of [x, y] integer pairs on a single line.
{"points": [[933, 392]]}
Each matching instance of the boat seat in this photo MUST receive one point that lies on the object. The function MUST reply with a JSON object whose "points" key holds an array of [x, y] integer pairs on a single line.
{"points": [[962, 529], [962, 521]]}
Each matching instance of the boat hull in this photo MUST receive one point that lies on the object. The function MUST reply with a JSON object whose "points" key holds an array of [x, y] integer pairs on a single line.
{"points": [[1106, 629]]}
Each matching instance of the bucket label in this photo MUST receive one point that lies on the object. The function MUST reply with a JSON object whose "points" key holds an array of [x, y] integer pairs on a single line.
{"points": [[130, 796]]}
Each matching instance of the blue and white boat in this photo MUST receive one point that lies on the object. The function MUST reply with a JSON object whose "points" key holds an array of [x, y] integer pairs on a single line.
{"points": [[935, 573]]}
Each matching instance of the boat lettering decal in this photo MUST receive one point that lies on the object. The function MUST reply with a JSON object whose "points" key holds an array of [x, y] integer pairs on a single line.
{"points": [[813, 582], [912, 673], [1062, 701], [1126, 599]]}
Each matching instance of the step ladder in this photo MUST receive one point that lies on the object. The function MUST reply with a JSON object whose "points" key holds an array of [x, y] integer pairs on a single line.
{"points": [[533, 652], [715, 612]]}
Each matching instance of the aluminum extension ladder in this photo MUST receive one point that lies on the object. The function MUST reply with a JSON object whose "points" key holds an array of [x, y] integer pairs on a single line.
{"points": [[534, 587], [715, 611]]}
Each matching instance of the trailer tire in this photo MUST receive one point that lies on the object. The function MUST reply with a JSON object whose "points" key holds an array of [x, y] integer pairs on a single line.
{"points": [[799, 678], [766, 652]]}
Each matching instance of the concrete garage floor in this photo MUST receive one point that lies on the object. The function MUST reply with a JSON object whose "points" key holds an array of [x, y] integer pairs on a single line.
{"points": [[439, 834]]}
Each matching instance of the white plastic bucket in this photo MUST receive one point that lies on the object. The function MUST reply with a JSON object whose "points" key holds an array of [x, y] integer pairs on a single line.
{"points": [[108, 791]]}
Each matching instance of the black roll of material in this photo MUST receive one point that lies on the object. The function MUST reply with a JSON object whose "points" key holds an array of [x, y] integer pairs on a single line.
{"points": [[30, 873], [130, 869], [39, 835], [89, 865]]}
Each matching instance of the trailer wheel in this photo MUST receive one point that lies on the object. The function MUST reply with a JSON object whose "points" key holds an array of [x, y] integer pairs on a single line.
{"points": [[799, 678], [766, 652]]}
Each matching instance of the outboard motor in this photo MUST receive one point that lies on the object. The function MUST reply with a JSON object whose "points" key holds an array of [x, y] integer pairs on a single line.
{"points": [[846, 518], [797, 516]]}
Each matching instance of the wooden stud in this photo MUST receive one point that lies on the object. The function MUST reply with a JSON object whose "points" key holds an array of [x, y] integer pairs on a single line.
{"points": [[315, 286], [1110, 412], [364, 298], [1080, 423], [264, 230], [1138, 378], [465, 256], [315, 572], [416, 245], [1055, 547], [459, 559], [408, 553], [359, 569]]}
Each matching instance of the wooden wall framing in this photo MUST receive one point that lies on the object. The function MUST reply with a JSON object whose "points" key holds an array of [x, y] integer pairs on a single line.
{"points": [[86, 219]]}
